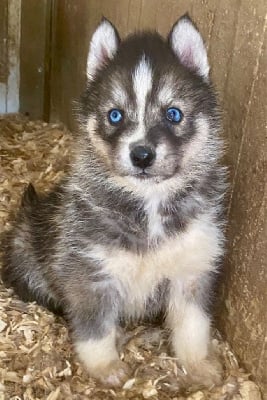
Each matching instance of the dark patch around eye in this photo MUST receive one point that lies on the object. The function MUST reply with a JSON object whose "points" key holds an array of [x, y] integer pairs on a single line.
{"points": [[171, 133]]}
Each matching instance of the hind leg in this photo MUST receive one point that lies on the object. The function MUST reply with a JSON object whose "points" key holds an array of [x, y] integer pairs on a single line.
{"points": [[23, 273], [29, 248]]}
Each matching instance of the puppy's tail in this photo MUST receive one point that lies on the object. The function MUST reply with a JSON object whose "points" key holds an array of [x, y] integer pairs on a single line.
{"points": [[29, 197]]}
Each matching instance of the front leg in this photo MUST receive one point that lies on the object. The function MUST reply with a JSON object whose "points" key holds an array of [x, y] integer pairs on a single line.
{"points": [[101, 358], [190, 334], [92, 317]]}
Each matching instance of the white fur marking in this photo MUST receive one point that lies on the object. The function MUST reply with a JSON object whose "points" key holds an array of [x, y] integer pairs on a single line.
{"points": [[153, 200], [191, 332], [119, 94], [198, 143], [155, 227], [97, 353], [166, 93], [91, 125], [142, 84]]}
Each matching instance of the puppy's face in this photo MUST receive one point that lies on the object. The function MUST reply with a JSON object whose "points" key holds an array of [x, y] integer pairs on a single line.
{"points": [[149, 109]]}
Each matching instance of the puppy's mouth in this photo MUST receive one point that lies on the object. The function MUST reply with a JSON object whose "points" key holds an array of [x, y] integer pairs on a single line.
{"points": [[144, 175], [147, 176]]}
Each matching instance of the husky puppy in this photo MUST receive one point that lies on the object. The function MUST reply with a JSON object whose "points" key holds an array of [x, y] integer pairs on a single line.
{"points": [[135, 228]]}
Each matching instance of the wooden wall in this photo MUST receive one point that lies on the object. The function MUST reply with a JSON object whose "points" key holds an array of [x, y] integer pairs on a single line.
{"points": [[9, 55], [35, 57], [3, 54], [235, 33]]}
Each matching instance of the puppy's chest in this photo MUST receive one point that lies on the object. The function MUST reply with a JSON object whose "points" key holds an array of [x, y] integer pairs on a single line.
{"points": [[160, 224], [137, 276], [155, 222], [182, 256]]}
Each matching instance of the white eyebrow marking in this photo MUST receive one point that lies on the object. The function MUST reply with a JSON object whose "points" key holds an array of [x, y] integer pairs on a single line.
{"points": [[119, 95], [166, 90]]}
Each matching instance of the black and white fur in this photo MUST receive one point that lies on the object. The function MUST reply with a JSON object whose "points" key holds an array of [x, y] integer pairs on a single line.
{"points": [[114, 241]]}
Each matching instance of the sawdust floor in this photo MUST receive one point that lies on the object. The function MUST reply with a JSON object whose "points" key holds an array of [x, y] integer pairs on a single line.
{"points": [[36, 356]]}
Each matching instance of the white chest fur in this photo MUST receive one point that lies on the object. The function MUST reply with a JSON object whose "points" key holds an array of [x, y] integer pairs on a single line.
{"points": [[155, 226], [182, 257]]}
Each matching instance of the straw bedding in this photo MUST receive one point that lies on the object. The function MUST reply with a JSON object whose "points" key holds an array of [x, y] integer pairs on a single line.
{"points": [[36, 356]]}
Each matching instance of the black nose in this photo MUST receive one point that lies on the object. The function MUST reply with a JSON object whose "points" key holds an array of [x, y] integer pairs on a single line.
{"points": [[142, 156]]}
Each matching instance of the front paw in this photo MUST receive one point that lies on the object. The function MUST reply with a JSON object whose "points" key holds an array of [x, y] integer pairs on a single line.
{"points": [[113, 375], [205, 373], [101, 359]]}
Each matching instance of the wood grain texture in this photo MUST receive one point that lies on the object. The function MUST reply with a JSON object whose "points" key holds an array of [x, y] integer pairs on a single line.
{"points": [[3, 54], [9, 55], [35, 58], [244, 317], [3, 40]]}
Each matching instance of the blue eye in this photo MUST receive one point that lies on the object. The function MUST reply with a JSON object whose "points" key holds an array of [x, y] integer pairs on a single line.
{"points": [[174, 115], [115, 116]]}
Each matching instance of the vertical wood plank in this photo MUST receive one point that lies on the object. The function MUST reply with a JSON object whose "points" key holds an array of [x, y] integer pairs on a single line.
{"points": [[244, 316], [13, 56], [35, 58], [3, 54]]}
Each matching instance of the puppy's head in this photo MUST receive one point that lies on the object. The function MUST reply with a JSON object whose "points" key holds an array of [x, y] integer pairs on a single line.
{"points": [[149, 109]]}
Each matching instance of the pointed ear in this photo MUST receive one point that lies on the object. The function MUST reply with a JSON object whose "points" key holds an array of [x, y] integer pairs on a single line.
{"points": [[189, 47], [103, 46]]}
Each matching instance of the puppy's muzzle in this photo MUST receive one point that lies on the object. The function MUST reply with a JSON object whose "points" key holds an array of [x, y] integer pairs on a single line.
{"points": [[142, 156]]}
